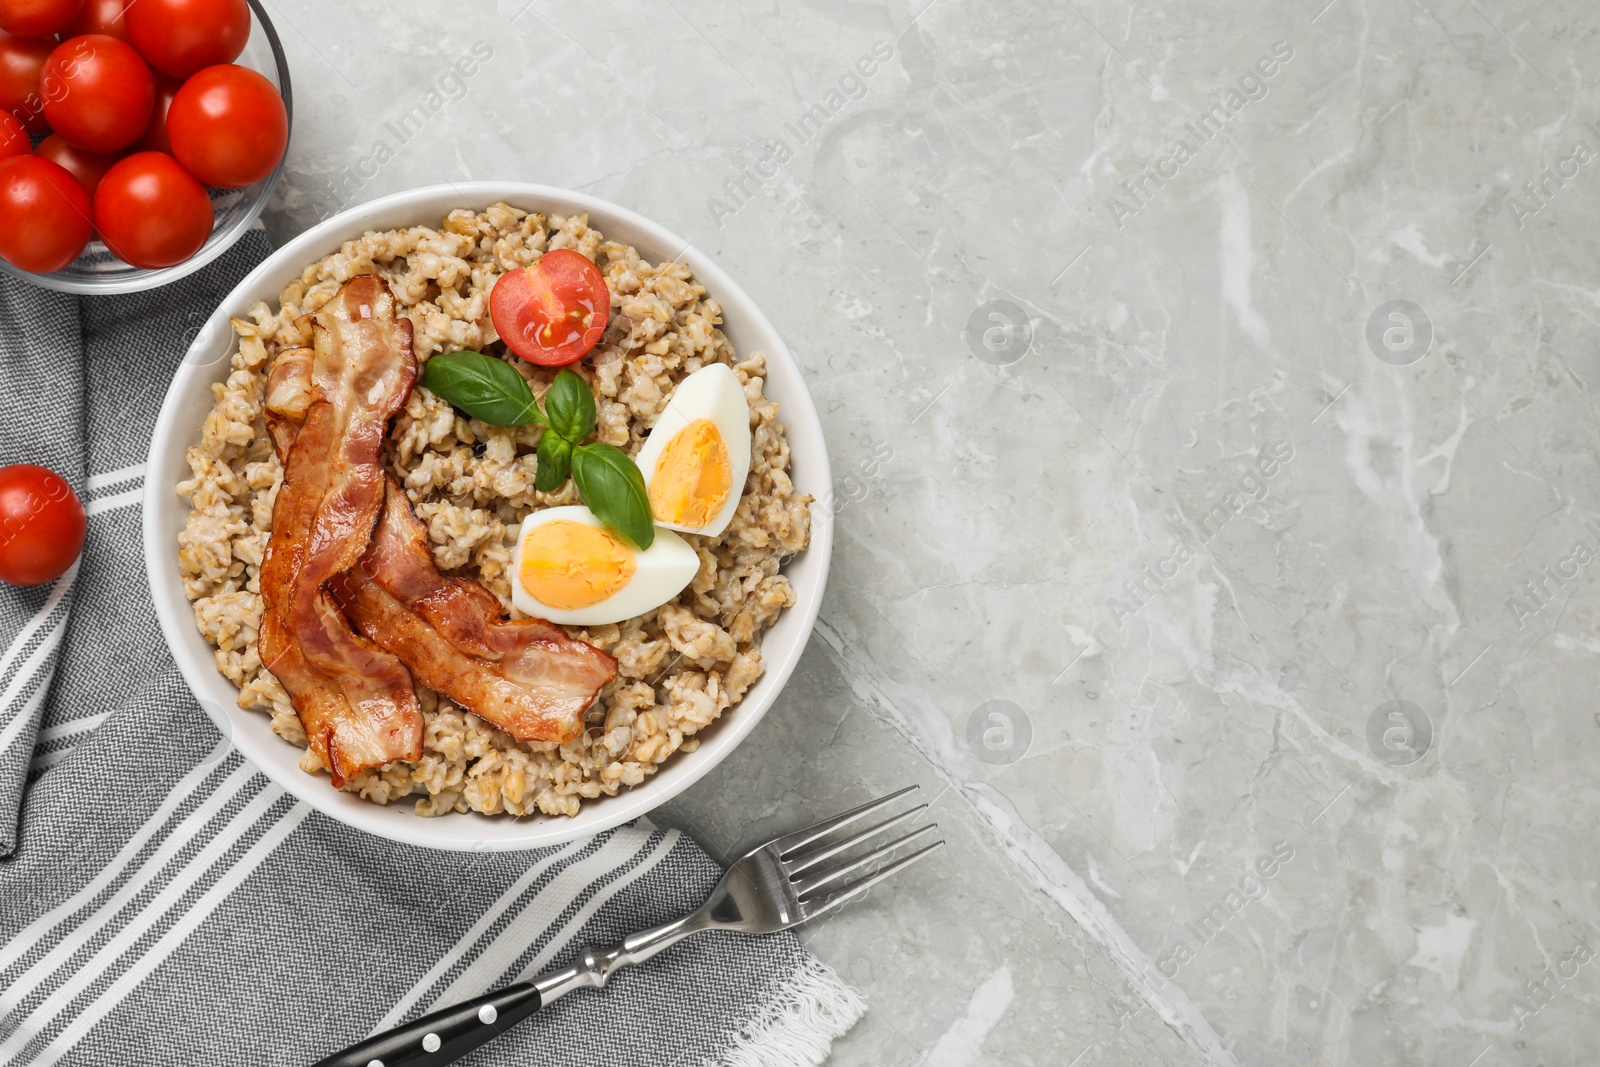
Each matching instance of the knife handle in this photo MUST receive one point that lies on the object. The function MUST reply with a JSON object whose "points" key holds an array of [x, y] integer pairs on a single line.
{"points": [[445, 1035]]}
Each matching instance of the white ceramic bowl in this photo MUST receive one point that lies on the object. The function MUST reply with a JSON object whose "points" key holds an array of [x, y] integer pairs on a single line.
{"points": [[189, 399]]}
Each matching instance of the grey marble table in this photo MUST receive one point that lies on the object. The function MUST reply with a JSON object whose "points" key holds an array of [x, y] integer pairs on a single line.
{"points": [[1211, 392]]}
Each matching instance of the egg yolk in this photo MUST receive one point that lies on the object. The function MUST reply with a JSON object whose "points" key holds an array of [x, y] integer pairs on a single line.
{"points": [[568, 565], [692, 476]]}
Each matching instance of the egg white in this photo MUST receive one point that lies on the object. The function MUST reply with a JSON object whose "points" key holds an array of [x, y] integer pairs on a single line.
{"points": [[713, 393], [660, 573]]}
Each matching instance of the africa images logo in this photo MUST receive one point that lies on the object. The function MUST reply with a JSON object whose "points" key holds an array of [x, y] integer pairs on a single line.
{"points": [[1541, 191], [851, 87], [1253, 886], [1202, 129], [1141, 586]]}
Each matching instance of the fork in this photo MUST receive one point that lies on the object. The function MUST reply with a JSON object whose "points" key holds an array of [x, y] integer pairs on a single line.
{"points": [[773, 887]]}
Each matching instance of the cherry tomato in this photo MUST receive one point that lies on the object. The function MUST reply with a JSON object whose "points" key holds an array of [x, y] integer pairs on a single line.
{"points": [[44, 214], [554, 311], [151, 212], [37, 18], [100, 16], [180, 37], [87, 167], [154, 138], [14, 140], [42, 525], [228, 126], [98, 93], [21, 61]]}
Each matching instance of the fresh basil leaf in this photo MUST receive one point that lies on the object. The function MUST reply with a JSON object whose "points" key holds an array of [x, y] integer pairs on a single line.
{"points": [[484, 387], [555, 462], [570, 406], [613, 488]]}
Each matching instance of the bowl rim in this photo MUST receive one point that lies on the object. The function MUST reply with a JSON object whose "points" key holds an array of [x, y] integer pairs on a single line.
{"points": [[138, 280], [471, 831]]}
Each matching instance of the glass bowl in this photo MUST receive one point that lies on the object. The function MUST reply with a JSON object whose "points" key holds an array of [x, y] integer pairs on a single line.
{"points": [[98, 271]]}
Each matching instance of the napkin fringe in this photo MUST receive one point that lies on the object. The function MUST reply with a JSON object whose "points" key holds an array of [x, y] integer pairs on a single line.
{"points": [[798, 1026]]}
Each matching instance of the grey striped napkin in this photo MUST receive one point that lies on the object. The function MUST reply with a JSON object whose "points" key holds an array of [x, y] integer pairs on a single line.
{"points": [[164, 903]]}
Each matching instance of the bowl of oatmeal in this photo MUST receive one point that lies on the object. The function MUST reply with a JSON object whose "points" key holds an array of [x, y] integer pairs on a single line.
{"points": [[693, 675]]}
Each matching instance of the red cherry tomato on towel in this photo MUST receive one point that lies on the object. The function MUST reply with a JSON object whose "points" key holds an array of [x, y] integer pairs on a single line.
{"points": [[42, 525]]}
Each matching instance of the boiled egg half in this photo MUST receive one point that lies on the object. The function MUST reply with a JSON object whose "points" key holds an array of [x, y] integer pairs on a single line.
{"points": [[698, 453], [570, 568]]}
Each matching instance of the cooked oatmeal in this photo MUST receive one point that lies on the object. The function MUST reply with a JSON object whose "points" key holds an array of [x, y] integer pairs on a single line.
{"points": [[680, 666]]}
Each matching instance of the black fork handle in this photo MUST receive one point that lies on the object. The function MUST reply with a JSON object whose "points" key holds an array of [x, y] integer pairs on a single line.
{"points": [[446, 1035]]}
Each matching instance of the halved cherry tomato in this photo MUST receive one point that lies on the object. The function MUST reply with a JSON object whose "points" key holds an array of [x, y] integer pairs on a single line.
{"points": [[100, 16], [180, 37], [554, 311], [44, 214], [228, 126], [87, 167], [42, 525], [98, 92], [14, 140], [37, 18], [151, 212], [21, 61]]}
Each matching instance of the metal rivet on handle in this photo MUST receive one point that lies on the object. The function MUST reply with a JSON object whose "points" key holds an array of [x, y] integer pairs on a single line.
{"points": [[488, 1013], [430, 1043]]}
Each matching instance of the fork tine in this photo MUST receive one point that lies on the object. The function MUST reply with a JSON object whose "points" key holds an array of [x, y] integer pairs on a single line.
{"points": [[800, 838], [808, 886], [839, 896], [808, 860]]}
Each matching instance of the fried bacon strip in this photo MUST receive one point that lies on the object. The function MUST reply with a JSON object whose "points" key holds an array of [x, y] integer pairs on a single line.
{"points": [[355, 700], [525, 676], [289, 396]]}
